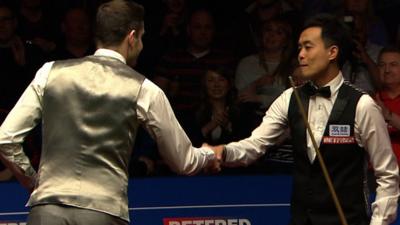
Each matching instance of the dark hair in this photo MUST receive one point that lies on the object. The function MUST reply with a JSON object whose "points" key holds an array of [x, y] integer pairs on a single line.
{"points": [[115, 19], [225, 72], [333, 32], [389, 49], [11, 7]]}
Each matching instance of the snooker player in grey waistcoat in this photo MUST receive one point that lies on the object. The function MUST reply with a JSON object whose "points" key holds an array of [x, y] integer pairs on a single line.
{"points": [[90, 109], [348, 127]]}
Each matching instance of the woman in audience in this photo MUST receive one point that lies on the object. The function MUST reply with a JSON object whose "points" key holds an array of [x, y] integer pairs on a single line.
{"points": [[218, 115]]}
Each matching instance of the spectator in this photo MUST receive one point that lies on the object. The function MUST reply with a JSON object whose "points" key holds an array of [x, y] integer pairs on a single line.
{"points": [[172, 28], [18, 59], [36, 25], [179, 72], [259, 78], [375, 28], [218, 115], [78, 39], [256, 15], [260, 70], [388, 97], [361, 69], [165, 32]]}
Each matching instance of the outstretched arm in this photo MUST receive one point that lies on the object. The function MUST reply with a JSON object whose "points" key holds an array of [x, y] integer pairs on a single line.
{"points": [[155, 113], [248, 150]]}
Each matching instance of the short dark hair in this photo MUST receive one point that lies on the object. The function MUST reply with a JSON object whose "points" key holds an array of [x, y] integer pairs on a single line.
{"points": [[389, 49], [115, 19], [333, 32], [8, 5]]}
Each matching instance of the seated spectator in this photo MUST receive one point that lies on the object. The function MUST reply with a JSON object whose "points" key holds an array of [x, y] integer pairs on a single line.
{"points": [[19, 60], [361, 70], [218, 115], [375, 28], [78, 39], [165, 31], [388, 97], [172, 30], [257, 13], [180, 72], [37, 25], [257, 78]]}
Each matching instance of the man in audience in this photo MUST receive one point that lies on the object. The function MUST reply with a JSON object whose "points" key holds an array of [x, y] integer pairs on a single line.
{"points": [[180, 72], [78, 39], [18, 59], [388, 97]]}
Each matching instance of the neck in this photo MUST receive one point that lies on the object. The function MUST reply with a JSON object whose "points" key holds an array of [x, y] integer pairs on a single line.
{"points": [[32, 14], [326, 76], [218, 104], [272, 55], [392, 90], [77, 49], [195, 50], [121, 49]]}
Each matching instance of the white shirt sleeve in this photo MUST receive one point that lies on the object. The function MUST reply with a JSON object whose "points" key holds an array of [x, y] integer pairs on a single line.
{"points": [[267, 133], [371, 133], [23, 118], [157, 117]]}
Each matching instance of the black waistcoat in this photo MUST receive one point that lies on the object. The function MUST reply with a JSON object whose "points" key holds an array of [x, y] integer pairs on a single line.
{"points": [[346, 163]]}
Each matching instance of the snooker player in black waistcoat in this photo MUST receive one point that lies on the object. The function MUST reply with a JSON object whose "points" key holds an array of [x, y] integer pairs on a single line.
{"points": [[348, 127]]}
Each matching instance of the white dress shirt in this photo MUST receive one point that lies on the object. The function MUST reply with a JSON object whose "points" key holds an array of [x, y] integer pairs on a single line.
{"points": [[153, 110], [370, 133]]}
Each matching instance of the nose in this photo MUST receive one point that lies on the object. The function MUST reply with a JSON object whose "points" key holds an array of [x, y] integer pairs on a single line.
{"points": [[387, 69], [300, 56]]}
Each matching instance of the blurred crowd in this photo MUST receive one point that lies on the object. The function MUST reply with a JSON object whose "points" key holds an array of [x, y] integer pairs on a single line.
{"points": [[221, 63]]}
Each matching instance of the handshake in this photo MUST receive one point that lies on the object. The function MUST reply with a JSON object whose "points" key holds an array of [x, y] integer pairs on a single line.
{"points": [[214, 166]]}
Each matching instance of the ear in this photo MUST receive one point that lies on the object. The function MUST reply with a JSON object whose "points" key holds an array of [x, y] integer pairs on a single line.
{"points": [[131, 37], [333, 52]]}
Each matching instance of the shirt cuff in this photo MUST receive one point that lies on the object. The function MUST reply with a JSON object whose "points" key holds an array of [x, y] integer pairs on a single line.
{"points": [[378, 221], [209, 154]]}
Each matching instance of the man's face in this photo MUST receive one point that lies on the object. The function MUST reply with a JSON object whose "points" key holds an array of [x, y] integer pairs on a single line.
{"points": [[76, 26], [201, 30], [356, 5], [8, 25], [313, 55], [389, 68], [176, 6], [135, 48]]}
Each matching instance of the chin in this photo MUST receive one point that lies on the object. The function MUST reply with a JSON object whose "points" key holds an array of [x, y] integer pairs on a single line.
{"points": [[309, 77], [132, 63]]}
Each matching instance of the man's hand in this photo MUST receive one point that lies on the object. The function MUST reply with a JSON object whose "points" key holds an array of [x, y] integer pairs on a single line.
{"points": [[215, 166], [218, 151], [28, 182]]}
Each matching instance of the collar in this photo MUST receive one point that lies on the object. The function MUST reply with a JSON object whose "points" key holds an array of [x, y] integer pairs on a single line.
{"points": [[384, 96], [335, 83], [110, 53], [200, 54]]}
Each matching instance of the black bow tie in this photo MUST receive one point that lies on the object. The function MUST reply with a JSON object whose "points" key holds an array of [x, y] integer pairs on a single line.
{"points": [[312, 90]]}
